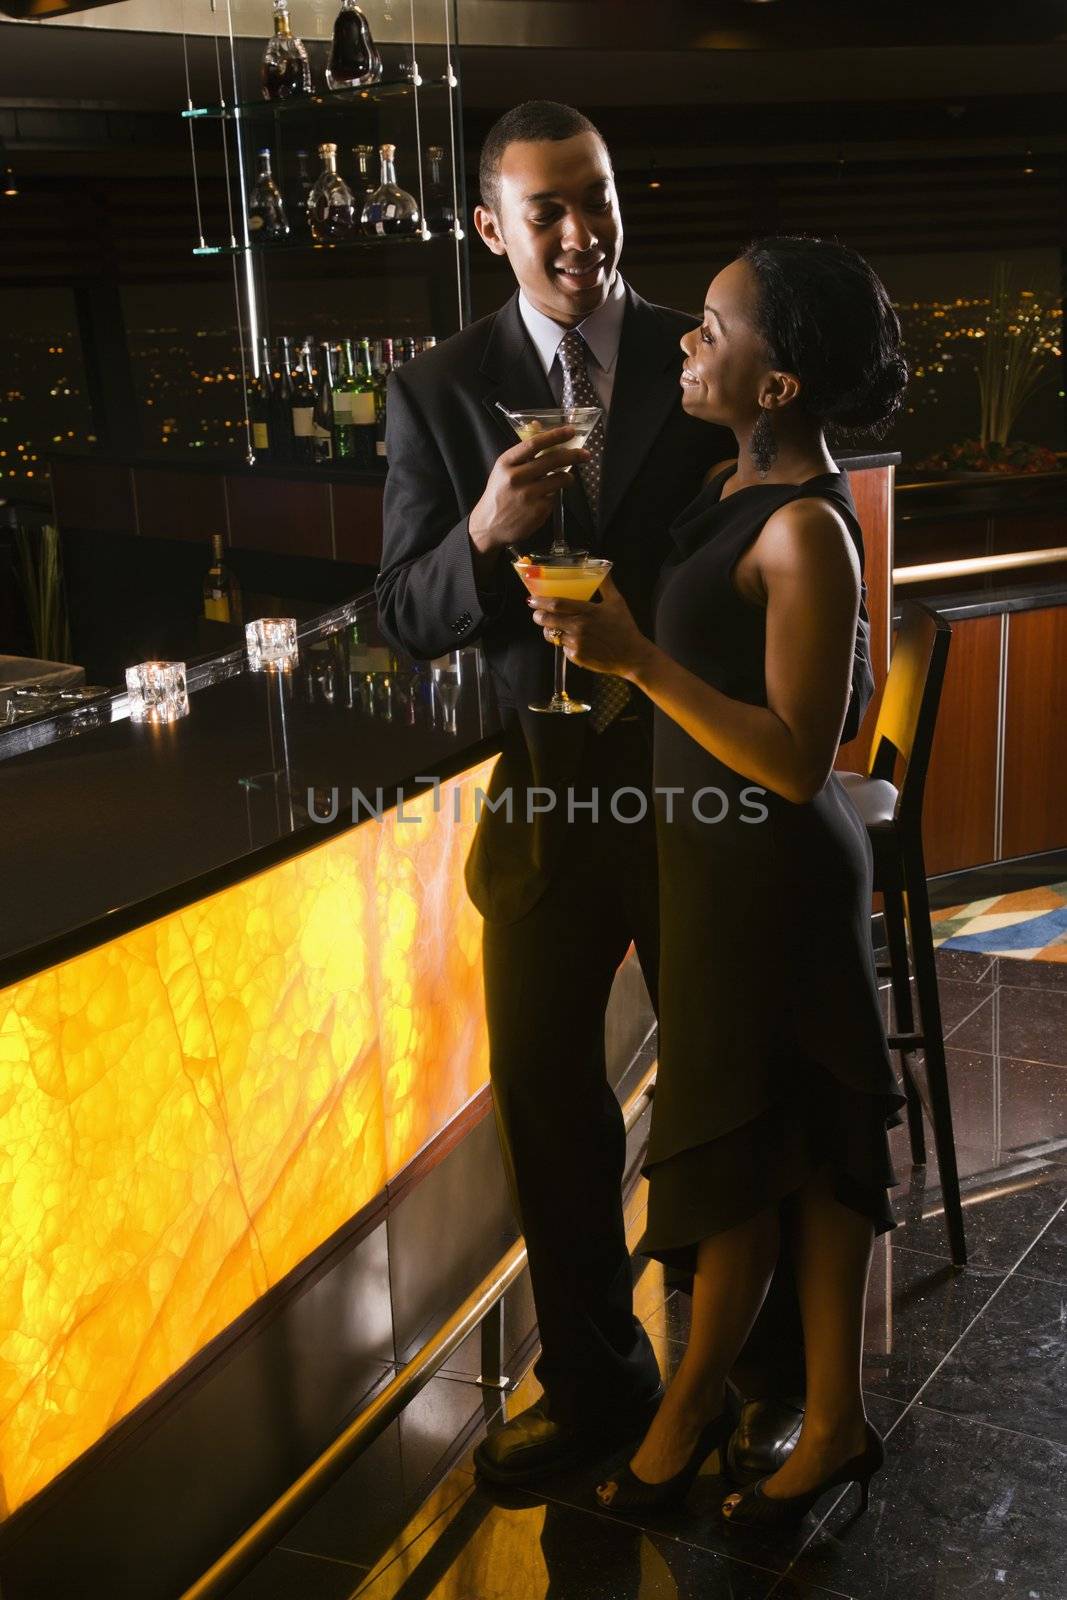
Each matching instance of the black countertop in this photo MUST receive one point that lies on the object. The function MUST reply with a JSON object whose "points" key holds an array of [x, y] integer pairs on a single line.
{"points": [[108, 823], [990, 602]]}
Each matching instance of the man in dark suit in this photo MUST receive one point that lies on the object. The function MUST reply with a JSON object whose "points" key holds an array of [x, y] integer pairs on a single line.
{"points": [[563, 893]]}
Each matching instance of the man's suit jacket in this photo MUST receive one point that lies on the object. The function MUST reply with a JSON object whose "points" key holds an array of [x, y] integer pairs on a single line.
{"points": [[444, 434]]}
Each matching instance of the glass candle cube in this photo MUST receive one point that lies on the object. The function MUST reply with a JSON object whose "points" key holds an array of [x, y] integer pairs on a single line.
{"points": [[271, 643], [157, 691]]}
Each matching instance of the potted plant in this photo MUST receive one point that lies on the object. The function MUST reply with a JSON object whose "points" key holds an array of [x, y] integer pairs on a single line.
{"points": [[1019, 344]]}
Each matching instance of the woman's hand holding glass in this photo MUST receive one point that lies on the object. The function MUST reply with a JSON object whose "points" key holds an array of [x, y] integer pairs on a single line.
{"points": [[598, 634]]}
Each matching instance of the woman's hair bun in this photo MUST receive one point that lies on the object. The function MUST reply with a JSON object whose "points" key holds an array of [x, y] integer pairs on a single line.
{"points": [[825, 316]]}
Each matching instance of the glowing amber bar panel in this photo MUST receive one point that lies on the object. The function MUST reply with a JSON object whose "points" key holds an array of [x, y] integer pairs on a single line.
{"points": [[188, 1111]]}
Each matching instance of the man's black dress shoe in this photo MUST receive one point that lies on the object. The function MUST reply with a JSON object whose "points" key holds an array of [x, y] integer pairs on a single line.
{"points": [[763, 1438], [532, 1444]]}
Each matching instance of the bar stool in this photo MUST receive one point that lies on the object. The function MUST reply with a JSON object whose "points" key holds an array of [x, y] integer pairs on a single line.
{"points": [[904, 734]]}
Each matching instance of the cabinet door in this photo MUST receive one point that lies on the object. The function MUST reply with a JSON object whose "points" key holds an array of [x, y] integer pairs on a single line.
{"points": [[959, 814], [1035, 733]]}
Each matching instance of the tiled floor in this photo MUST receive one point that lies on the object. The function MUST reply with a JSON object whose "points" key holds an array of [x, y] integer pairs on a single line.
{"points": [[965, 1371]]}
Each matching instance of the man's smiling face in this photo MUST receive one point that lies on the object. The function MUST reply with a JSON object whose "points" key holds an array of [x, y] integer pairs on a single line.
{"points": [[558, 223]]}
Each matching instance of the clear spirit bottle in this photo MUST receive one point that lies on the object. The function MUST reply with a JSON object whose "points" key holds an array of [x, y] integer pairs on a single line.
{"points": [[286, 71], [354, 58], [267, 221], [440, 212], [331, 209], [389, 209]]}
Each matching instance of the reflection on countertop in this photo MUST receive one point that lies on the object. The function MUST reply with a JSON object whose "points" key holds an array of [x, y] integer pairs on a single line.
{"points": [[109, 822]]}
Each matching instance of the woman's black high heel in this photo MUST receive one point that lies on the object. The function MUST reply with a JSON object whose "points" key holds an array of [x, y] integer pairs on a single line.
{"points": [[633, 1493], [754, 1509]]}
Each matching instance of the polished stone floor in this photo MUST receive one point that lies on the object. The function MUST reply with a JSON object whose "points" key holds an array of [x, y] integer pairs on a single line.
{"points": [[965, 1373]]}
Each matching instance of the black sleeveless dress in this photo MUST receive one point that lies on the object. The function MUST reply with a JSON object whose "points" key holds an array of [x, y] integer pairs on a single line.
{"points": [[772, 1052]]}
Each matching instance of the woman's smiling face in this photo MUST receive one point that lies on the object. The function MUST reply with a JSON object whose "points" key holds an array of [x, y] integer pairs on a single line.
{"points": [[727, 362]]}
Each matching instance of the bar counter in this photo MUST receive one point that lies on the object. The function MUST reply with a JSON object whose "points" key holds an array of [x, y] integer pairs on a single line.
{"points": [[225, 1027]]}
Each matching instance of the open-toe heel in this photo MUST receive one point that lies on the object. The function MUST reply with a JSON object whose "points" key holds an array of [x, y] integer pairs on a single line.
{"points": [[633, 1493], [756, 1509]]}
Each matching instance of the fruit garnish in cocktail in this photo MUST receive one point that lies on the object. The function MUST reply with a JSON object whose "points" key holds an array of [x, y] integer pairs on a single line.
{"points": [[574, 576]]}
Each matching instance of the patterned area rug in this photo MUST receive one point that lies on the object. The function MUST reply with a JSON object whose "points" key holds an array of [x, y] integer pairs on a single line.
{"points": [[1031, 925]]}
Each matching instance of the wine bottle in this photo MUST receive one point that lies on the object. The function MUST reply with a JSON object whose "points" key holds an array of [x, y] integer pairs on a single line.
{"points": [[303, 411], [261, 406], [322, 412], [331, 212], [389, 209], [281, 409], [344, 442], [222, 592], [383, 367], [363, 412], [267, 221], [440, 213], [286, 71], [354, 58]]}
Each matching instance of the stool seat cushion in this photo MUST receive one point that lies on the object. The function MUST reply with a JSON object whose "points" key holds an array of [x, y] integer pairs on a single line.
{"points": [[874, 798]]}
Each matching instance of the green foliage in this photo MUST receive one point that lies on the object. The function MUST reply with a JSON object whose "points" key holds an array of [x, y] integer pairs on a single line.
{"points": [[40, 573]]}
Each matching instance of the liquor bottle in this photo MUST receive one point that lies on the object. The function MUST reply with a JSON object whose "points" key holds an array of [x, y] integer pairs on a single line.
{"points": [[383, 367], [286, 71], [331, 214], [344, 442], [300, 187], [389, 209], [322, 412], [365, 187], [267, 221], [222, 592], [354, 59], [281, 413], [440, 212], [303, 412], [261, 406], [362, 413]]}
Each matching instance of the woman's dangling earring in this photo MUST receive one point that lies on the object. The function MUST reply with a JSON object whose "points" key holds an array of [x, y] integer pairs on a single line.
{"points": [[763, 445]]}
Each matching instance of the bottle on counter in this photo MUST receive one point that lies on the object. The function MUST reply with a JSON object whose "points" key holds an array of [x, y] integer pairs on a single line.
{"points": [[440, 212], [261, 406], [222, 592], [354, 59], [267, 221], [303, 411], [389, 209], [281, 407], [286, 71], [322, 411], [331, 209]]}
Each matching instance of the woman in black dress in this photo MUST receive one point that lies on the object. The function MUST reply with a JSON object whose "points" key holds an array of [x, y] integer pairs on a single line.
{"points": [[775, 1089]]}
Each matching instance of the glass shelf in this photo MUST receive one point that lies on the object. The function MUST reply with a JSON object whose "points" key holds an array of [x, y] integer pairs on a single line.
{"points": [[338, 100], [361, 242]]}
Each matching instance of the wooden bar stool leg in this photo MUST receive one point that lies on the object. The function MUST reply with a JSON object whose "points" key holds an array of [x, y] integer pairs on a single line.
{"points": [[903, 1013], [922, 946]]}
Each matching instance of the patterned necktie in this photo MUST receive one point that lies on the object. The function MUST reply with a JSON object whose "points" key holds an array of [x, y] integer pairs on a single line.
{"points": [[608, 695]]}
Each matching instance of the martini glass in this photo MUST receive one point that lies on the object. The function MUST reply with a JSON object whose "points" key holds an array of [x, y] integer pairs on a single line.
{"points": [[583, 419], [573, 576]]}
